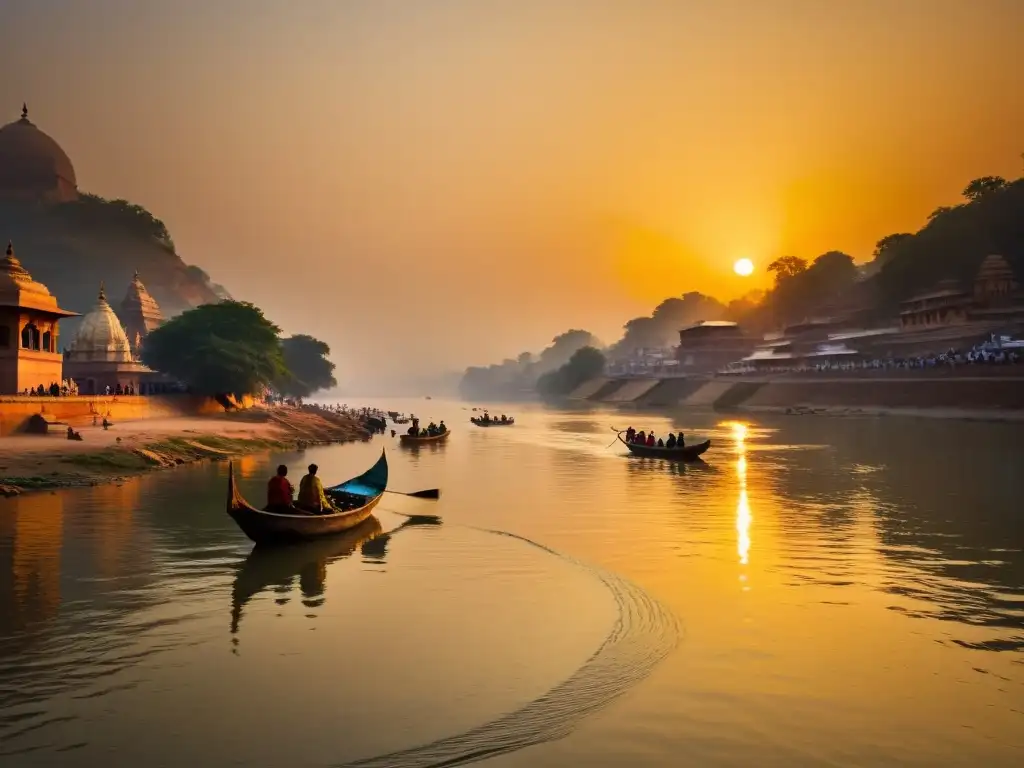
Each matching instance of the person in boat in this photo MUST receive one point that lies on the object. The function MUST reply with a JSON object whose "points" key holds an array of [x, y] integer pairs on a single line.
{"points": [[680, 443], [650, 440], [441, 428], [414, 430], [504, 418], [641, 437], [311, 494], [661, 443], [280, 491], [671, 442], [630, 435], [431, 429]]}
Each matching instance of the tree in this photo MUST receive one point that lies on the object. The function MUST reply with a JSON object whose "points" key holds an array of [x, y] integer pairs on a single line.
{"points": [[228, 348], [786, 267], [308, 367], [884, 247], [985, 185], [586, 363], [564, 346]]}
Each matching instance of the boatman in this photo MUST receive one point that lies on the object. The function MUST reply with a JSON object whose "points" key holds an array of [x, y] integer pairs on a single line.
{"points": [[311, 494], [279, 491]]}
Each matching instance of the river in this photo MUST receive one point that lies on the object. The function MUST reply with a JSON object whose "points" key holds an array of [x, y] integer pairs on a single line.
{"points": [[822, 592]]}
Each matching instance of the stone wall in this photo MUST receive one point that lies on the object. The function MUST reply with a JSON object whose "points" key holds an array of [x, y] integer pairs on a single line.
{"points": [[79, 411]]}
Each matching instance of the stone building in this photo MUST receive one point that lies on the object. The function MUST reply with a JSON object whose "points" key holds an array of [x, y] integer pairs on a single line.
{"points": [[101, 356], [710, 345], [33, 167], [139, 314], [29, 315]]}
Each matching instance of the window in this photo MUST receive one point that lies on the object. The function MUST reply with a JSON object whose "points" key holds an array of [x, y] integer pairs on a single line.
{"points": [[48, 342]]}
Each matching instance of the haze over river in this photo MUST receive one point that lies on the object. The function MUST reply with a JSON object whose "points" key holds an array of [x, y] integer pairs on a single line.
{"points": [[833, 592]]}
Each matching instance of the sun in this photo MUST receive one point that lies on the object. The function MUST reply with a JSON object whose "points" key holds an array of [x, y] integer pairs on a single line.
{"points": [[743, 267]]}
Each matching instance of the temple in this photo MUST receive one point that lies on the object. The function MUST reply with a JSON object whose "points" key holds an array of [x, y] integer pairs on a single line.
{"points": [[139, 314], [33, 167], [101, 359], [29, 356], [709, 345]]}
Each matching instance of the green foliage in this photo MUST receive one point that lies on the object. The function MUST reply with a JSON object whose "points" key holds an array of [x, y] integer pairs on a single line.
{"points": [[118, 214], [228, 348], [586, 363], [786, 267], [983, 186], [884, 247], [661, 329], [309, 370]]}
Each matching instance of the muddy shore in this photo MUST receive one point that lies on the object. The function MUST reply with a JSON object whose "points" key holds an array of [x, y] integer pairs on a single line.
{"points": [[34, 463]]}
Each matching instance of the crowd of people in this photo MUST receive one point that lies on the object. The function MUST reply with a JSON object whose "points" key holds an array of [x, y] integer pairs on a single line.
{"points": [[648, 439], [487, 419], [431, 430], [69, 388]]}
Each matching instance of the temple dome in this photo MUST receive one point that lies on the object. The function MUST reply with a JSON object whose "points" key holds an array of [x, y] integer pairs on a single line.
{"points": [[101, 336], [33, 166], [18, 289]]}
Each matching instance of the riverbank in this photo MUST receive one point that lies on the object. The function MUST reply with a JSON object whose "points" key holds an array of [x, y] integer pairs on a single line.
{"points": [[994, 394], [34, 462]]}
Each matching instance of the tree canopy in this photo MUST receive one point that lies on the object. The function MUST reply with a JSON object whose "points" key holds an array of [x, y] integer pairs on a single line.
{"points": [[228, 348], [661, 328], [586, 363], [308, 367]]}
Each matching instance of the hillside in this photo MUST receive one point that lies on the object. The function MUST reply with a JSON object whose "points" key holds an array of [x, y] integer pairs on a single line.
{"points": [[71, 247]]}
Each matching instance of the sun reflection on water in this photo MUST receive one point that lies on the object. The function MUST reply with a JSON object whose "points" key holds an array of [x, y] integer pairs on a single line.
{"points": [[743, 516]]}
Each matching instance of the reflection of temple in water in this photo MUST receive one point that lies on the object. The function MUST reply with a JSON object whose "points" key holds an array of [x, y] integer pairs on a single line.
{"points": [[31, 533]]}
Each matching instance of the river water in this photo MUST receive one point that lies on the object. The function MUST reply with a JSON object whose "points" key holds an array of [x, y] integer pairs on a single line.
{"points": [[822, 592]]}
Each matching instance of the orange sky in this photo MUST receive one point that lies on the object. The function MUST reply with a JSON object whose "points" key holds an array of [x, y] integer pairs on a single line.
{"points": [[438, 183]]}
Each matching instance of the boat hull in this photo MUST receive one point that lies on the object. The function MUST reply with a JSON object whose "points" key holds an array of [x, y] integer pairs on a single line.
{"points": [[493, 423], [410, 440], [268, 528], [687, 453]]}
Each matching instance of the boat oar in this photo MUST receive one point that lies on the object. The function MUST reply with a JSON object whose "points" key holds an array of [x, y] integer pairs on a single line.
{"points": [[429, 493]]}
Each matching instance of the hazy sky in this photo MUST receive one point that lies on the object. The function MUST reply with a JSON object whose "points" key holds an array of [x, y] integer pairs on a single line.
{"points": [[443, 182]]}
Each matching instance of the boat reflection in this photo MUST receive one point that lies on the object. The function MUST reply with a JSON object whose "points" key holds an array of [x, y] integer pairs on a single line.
{"points": [[277, 567]]}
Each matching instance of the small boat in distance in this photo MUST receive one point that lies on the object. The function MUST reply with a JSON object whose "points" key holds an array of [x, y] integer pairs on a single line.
{"points": [[410, 440], [686, 453], [482, 422], [356, 499]]}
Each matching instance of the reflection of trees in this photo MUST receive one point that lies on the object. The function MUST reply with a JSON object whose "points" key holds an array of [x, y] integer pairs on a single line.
{"points": [[943, 499]]}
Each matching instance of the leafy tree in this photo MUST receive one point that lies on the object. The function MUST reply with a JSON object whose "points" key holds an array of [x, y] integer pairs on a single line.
{"points": [[661, 329], [883, 248], [564, 346], [228, 348], [586, 363], [308, 366], [786, 267], [983, 186]]}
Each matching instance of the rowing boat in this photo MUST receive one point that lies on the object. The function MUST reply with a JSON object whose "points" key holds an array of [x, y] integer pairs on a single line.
{"points": [[410, 440], [686, 453], [356, 499], [492, 422]]}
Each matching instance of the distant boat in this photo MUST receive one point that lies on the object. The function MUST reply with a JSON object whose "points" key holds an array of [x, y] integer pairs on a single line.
{"points": [[410, 440], [492, 422]]}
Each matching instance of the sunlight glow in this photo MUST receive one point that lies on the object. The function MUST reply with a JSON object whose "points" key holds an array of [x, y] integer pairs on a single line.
{"points": [[743, 516], [743, 267]]}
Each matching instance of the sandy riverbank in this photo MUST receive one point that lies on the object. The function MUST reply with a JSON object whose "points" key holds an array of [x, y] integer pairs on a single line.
{"points": [[33, 462]]}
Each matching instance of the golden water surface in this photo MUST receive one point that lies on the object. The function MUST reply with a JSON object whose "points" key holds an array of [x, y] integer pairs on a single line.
{"points": [[819, 592]]}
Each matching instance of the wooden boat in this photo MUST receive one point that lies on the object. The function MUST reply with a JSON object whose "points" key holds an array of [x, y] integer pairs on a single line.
{"points": [[410, 440], [267, 566], [492, 422], [356, 499], [399, 420], [686, 453]]}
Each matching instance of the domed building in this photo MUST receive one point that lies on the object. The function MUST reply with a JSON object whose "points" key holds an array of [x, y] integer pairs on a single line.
{"points": [[101, 359], [29, 356], [33, 167]]}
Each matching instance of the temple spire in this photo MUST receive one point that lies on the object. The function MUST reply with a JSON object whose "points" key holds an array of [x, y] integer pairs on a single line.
{"points": [[24, 111], [10, 248], [103, 292]]}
